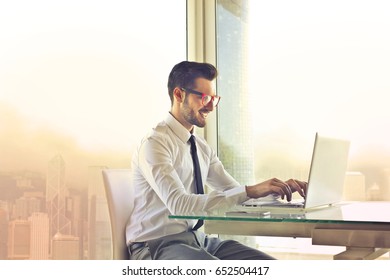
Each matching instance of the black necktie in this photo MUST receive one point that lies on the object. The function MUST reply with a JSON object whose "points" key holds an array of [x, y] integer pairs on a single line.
{"points": [[198, 176]]}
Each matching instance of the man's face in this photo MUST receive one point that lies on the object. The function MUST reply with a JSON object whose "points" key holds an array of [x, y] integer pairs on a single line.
{"points": [[193, 111]]}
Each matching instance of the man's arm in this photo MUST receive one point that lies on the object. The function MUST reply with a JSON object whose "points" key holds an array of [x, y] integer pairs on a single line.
{"points": [[156, 164]]}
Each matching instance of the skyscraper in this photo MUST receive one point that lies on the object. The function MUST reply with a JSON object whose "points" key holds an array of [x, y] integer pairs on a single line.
{"points": [[25, 206], [65, 247], [76, 210], [3, 234], [99, 235], [19, 240], [55, 197], [39, 236]]}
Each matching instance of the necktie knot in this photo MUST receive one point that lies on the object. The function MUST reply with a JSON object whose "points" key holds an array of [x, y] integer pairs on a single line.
{"points": [[192, 142]]}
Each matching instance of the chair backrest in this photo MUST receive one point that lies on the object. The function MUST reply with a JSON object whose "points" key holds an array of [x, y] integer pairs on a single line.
{"points": [[119, 193]]}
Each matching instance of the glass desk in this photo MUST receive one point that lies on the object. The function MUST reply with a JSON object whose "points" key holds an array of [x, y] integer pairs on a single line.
{"points": [[362, 227]]}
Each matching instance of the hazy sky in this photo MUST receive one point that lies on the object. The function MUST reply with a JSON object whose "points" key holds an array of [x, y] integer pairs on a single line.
{"points": [[93, 70], [322, 66], [84, 78], [92, 74]]}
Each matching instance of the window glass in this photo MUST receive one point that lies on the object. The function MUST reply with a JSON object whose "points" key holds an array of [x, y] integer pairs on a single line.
{"points": [[235, 139], [80, 83], [290, 69]]}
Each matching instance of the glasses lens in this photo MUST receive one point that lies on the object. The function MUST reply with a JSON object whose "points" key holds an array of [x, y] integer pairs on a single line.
{"points": [[207, 99], [216, 100]]}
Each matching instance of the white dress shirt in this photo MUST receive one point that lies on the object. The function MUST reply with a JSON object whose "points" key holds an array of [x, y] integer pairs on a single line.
{"points": [[164, 182]]}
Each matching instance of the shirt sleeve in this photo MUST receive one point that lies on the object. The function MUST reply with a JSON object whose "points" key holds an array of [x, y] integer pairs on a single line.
{"points": [[156, 163], [219, 179]]}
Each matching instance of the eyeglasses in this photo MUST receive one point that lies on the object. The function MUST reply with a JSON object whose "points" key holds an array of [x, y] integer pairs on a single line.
{"points": [[206, 99]]}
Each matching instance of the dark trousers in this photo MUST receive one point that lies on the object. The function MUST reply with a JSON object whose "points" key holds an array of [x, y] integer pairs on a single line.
{"points": [[195, 245]]}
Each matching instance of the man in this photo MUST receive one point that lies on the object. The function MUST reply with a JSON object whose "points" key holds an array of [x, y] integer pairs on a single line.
{"points": [[169, 169]]}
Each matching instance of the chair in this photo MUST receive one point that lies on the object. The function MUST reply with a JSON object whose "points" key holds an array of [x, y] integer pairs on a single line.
{"points": [[119, 193]]}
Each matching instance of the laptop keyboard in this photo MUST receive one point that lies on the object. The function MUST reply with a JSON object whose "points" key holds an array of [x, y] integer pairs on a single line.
{"points": [[282, 204], [288, 204]]}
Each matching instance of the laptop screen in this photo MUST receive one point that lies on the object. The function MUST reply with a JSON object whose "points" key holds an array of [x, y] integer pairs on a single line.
{"points": [[327, 171]]}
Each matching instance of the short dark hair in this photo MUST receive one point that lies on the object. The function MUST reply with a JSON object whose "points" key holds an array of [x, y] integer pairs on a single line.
{"points": [[185, 73]]}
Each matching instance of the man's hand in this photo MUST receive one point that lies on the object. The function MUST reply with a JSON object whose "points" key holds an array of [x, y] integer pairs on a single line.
{"points": [[277, 187]]}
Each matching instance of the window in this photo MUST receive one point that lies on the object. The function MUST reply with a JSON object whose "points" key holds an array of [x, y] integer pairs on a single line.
{"points": [[80, 83], [293, 68], [289, 69]]}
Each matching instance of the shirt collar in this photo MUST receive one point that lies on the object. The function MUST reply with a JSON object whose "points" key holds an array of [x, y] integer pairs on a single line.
{"points": [[177, 128]]}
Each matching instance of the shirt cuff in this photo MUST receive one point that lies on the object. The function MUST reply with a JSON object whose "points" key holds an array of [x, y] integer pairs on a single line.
{"points": [[238, 194]]}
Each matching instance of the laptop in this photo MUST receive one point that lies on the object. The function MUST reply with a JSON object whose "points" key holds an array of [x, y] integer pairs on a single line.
{"points": [[326, 179]]}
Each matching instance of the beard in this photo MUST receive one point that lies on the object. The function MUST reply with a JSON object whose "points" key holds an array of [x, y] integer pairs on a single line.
{"points": [[192, 117]]}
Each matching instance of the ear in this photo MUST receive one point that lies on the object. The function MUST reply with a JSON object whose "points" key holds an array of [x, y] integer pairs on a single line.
{"points": [[178, 94]]}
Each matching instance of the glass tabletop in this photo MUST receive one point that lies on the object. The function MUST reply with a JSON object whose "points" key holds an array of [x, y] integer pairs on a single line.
{"points": [[346, 212]]}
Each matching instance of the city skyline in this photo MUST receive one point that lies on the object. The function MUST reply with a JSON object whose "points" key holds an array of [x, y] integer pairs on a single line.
{"points": [[63, 224], [89, 235]]}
